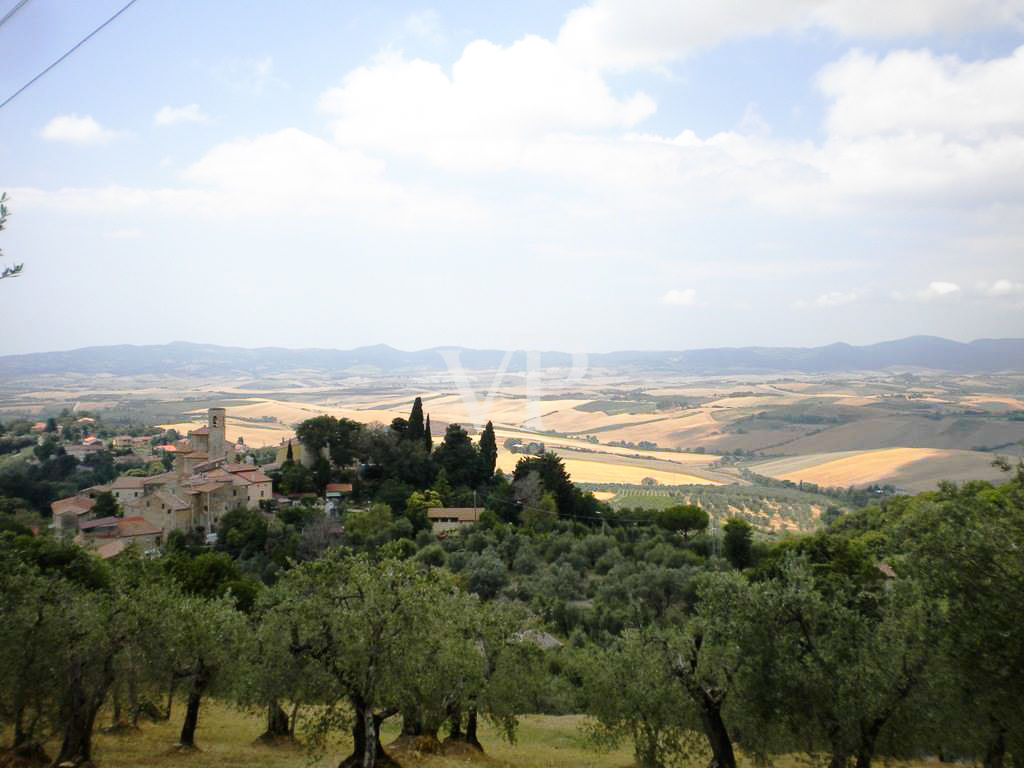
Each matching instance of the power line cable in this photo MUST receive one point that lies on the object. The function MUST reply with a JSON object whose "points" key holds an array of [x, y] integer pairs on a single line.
{"points": [[71, 50], [17, 7]]}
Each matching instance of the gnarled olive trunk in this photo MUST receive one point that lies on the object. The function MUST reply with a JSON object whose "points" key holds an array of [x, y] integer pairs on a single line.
{"points": [[79, 710], [200, 680], [722, 755], [455, 719], [278, 725], [76, 744], [367, 751], [471, 738]]}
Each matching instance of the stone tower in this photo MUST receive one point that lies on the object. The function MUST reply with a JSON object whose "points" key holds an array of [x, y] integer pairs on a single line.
{"points": [[217, 449]]}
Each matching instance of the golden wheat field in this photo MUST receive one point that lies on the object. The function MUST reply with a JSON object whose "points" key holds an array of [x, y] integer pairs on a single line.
{"points": [[846, 469]]}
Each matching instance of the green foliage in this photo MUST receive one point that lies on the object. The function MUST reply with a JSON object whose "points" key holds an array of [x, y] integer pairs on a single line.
{"points": [[459, 458], [488, 449], [683, 518], [106, 505], [738, 542], [415, 431]]}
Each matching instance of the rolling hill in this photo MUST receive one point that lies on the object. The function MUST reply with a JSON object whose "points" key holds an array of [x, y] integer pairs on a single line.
{"points": [[185, 358]]}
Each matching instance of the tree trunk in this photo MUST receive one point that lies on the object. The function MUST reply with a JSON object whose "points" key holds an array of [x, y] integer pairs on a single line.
{"points": [[995, 753], [366, 744], [371, 739], [116, 720], [277, 723], [722, 755], [200, 680], [455, 718], [471, 729], [133, 700], [79, 714], [868, 739], [412, 724], [76, 745], [170, 696], [188, 728], [293, 719]]}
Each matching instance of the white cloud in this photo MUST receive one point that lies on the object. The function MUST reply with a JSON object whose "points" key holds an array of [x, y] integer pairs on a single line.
{"points": [[1002, 288], [686, 297], [938, 289], [630, 34], [286, 174], [486, 114], [828, 300], [919, 93], [77, 129], [190, 113]]}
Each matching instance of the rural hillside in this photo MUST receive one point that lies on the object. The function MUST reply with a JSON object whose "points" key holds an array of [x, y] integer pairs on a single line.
{"points": [[184, 358]]}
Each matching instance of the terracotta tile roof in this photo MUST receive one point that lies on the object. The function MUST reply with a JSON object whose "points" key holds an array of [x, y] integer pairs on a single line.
{"points": [[79, 504], [257, 477], [100, 522], [200, 431], [136, 526], [163, 477], [129, 482], [172, 501], [206, 487], [460, 514], [338, 488], [111, 549]]}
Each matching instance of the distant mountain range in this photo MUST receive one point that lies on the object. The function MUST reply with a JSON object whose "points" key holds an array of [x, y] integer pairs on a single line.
{"points": [[184, 358]]}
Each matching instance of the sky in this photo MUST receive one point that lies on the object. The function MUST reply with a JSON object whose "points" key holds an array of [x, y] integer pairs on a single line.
{"points": [[581, 176]]}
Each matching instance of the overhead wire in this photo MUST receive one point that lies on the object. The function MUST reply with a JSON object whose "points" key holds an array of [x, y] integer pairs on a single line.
{"points": [[17, 7], [71, 50]]}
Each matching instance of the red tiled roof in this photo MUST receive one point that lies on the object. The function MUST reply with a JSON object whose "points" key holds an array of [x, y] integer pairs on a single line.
{"points": [[79, 504], [100, 522], [461, 514], [338, 488], [111, 549], [200, 431], [207, 487], [136, 526]]}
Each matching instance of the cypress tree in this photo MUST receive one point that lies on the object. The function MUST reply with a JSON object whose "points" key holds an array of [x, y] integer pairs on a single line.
{"points": [[428, 440], [489, 449], [289, 457], [415, 430]]}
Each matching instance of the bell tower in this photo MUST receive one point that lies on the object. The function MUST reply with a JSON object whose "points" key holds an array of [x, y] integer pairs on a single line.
{"points": [[217, 417]]}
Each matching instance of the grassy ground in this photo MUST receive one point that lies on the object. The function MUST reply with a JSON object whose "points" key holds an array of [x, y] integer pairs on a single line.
{"points": [[225, 738]]}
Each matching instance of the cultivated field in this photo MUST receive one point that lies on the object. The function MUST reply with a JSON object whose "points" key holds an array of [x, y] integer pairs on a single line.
{"points": [[910, 469], [909, 429]]}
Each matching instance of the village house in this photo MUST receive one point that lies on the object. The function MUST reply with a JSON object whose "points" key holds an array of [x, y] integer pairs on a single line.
{"points": [[67, 513], [120, 532], [445, 519]]}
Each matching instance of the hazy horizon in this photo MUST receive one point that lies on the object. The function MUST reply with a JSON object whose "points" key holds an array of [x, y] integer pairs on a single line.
{"points": [[295, 348], [595, 176]]}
